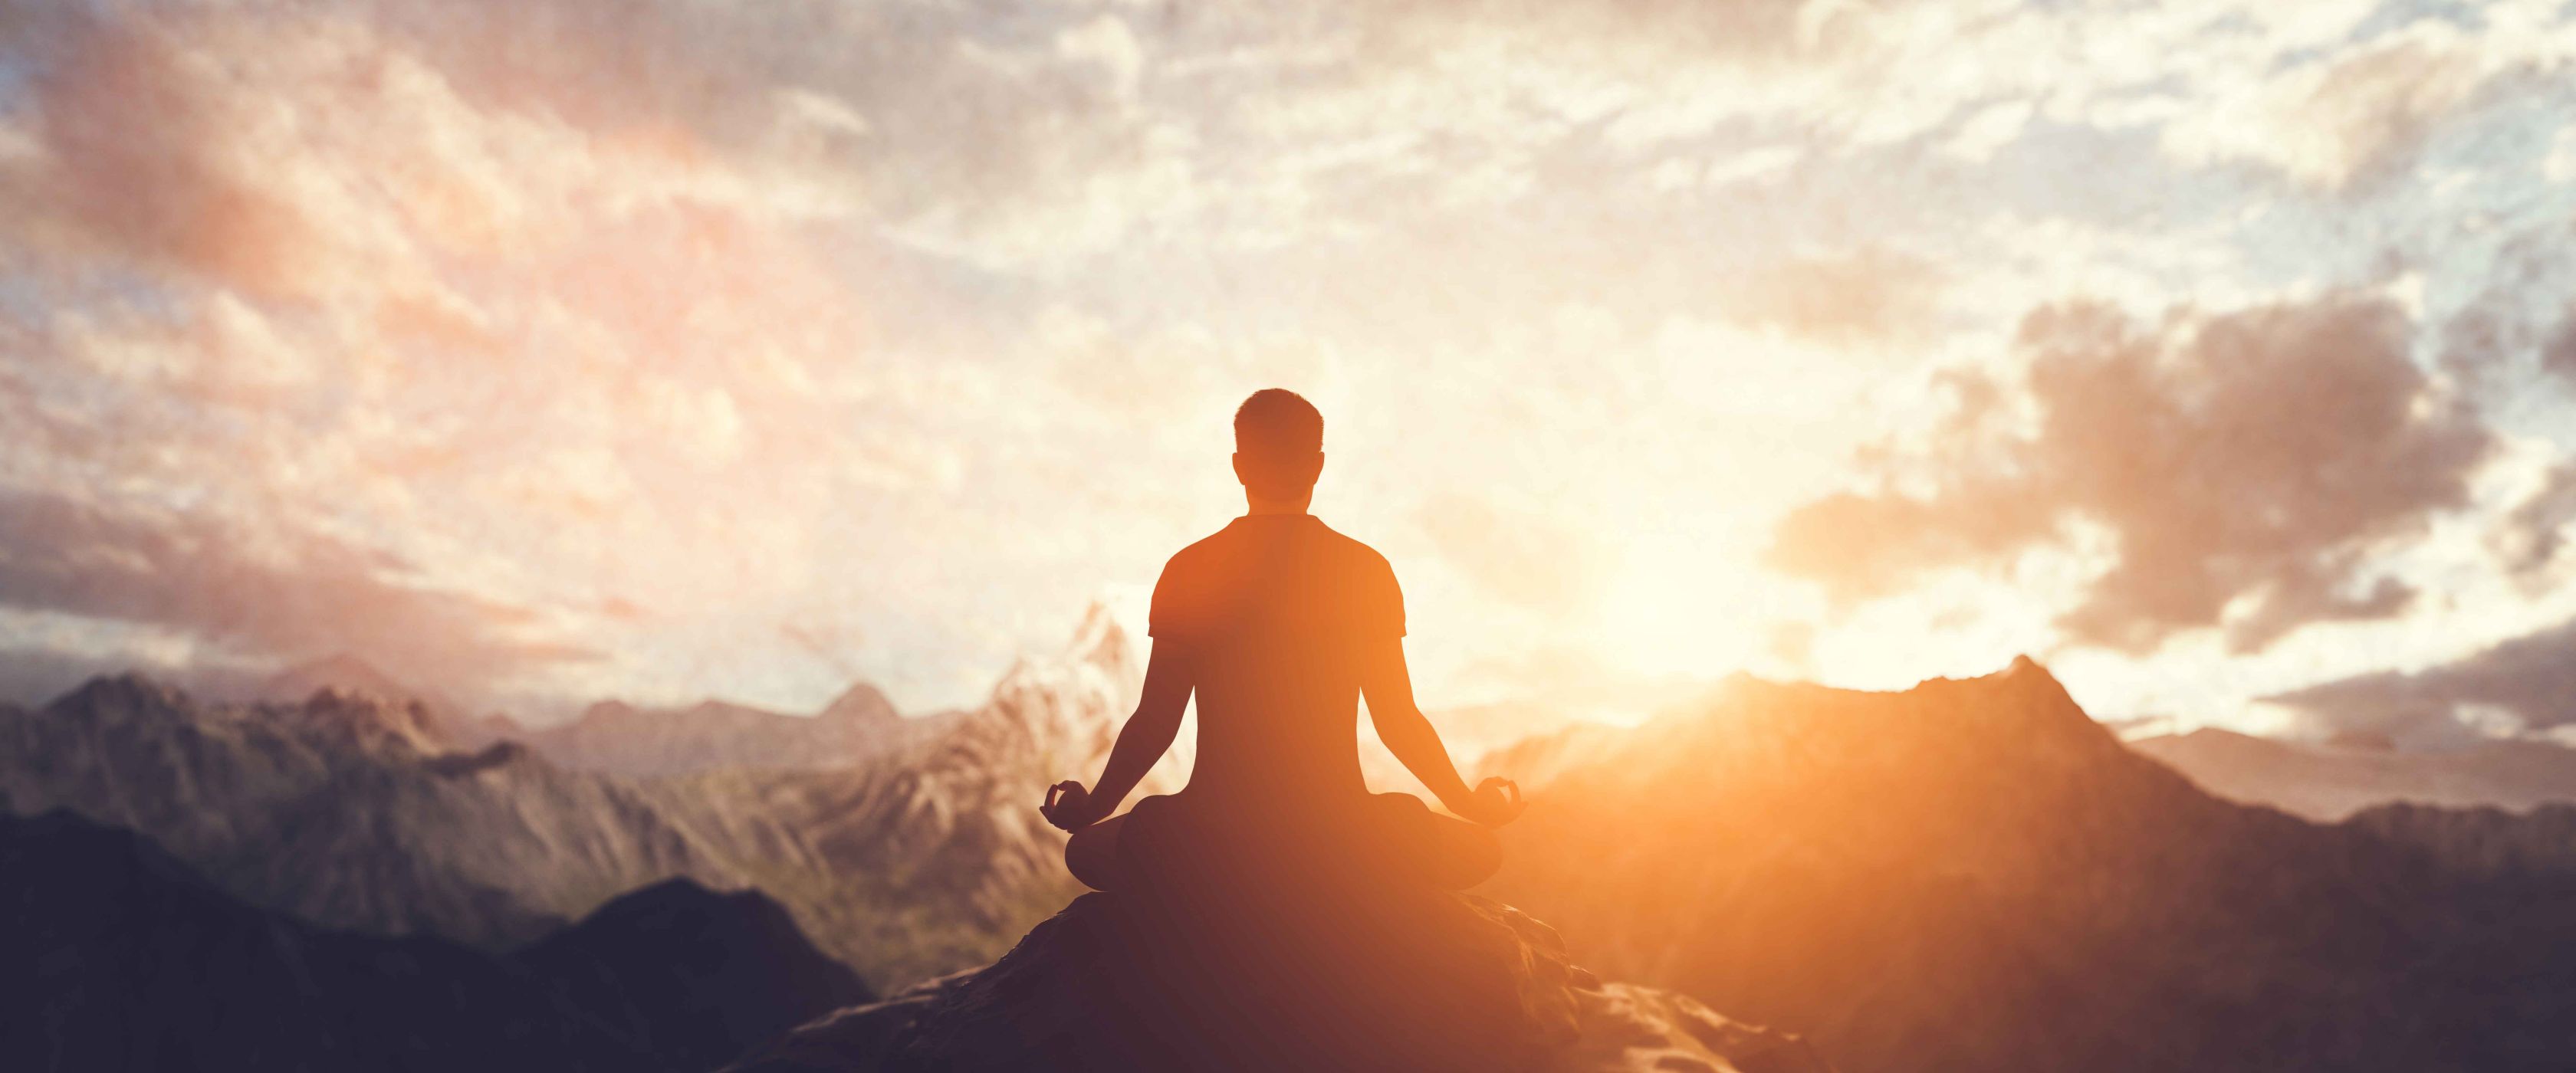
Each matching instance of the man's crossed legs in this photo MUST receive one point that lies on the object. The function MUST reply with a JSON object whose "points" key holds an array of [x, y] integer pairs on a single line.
{"points": [[1395, 835]]}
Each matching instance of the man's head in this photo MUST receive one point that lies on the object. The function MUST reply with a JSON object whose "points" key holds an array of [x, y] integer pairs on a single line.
{"points": [[1278, 444]]}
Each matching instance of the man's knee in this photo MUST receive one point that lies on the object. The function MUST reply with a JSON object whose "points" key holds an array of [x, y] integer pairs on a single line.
{"points": [[1091, 855], [1473, 856]]}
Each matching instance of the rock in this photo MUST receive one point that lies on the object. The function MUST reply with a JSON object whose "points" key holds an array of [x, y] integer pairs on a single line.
{"points": [[1440, 982]]}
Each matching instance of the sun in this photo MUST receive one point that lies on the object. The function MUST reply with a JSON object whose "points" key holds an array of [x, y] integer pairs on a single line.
{"points": [[1686, 604]]}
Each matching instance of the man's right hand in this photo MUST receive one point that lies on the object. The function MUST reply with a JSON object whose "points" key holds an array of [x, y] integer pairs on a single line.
{"points": [[1494, 802], [1068, 806]]}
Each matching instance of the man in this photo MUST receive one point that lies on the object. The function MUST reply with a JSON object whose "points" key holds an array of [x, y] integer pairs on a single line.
{"points": [[1280, 625]]}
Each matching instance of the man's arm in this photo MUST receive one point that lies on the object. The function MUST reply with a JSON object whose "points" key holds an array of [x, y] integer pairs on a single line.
{"points": [[1147, 735], [1388, 685]]}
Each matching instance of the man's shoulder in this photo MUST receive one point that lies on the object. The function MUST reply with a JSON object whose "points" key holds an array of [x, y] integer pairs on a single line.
{"points": [[1200, 548], [1358, 552], [1222, 545]]}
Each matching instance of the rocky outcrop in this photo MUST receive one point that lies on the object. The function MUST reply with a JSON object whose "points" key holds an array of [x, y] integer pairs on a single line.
{"points": [[1455, 983]]}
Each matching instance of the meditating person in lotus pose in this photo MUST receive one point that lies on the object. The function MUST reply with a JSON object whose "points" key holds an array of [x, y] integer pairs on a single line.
{"points": [[1280, 625]]}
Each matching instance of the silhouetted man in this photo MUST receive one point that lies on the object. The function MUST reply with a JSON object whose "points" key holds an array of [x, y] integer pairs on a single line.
{"points": [[1280, 624]]}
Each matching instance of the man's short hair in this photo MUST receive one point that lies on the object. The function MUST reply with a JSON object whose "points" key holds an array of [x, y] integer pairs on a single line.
{"points": [[1276, 430]]}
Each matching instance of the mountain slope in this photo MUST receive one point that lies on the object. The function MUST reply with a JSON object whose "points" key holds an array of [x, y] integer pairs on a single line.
{"points": [[115, 956], [1972, 875], [734, 963]]}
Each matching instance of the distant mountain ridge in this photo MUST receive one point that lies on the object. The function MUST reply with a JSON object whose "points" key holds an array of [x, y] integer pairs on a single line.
{"points": [[628, 739], [622, 738], [2332, 781], [347, 675]]}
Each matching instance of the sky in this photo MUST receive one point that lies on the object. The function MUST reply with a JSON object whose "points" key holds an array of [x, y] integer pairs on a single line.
{"points": [[2218, 355]]}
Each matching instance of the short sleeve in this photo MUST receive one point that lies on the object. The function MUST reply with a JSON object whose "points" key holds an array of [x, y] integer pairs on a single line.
{"points": [[1169, 612], [1390, 602]]}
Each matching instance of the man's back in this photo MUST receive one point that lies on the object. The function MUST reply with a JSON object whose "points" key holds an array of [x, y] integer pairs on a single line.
{"points": [[1279, 625], [1276, 613]]}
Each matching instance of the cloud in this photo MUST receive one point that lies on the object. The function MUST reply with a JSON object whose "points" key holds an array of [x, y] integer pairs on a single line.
{"points": [[1736, 30], [2347, 118], [2517, 319], [2529, 680], [256, 595], [920, 319], [2558, 353], [2244, 466], [2530, 537], [1528, 560], [1867, 295], [141, 152]]}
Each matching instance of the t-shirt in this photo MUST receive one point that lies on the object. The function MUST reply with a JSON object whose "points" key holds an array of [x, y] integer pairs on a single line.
{"points": [[1276, 613]]}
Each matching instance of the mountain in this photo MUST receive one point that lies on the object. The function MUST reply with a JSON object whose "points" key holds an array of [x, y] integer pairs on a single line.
{"points": [[920, 856], [2534, 849], [343, 673], [614, 736], [1429, 982], [344, 810], [943, 855], [733, 963], [2330, 781], [1966, 875], [1973, 875], [115, 956], [347, 675], [618, 737]]}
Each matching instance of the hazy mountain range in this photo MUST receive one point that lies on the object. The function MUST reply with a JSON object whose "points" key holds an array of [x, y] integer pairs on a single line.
{"points": [[920, 853], [1967, 875], [616, 736], [2333, 780]]}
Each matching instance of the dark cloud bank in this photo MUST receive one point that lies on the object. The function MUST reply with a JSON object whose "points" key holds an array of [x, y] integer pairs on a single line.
{"points": [[2531, 679], [2249, 468], [2246, 466]]}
